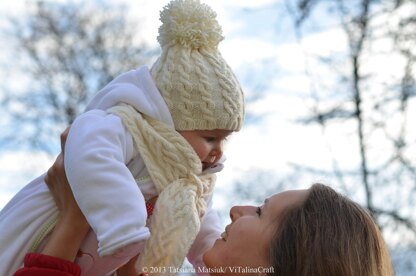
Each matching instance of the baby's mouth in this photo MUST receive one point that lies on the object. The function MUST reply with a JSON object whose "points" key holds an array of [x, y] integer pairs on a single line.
{"points": [[205, 165]]}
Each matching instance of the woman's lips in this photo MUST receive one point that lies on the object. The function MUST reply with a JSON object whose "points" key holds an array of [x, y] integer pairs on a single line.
{"points": [[224, 235]]}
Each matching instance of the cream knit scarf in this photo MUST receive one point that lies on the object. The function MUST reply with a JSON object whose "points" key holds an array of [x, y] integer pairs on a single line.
{"points": [[176, 172]]}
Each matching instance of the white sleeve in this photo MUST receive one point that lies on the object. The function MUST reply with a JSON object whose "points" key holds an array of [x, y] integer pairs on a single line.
{"points": [[96, 151], [210, 231]]}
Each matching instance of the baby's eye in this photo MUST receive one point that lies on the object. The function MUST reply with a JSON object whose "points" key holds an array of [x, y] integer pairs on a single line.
{"points": [[258, 211], [210, 139]]}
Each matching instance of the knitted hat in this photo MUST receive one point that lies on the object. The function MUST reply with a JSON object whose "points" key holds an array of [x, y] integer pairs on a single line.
{"points": [[198, 86]]}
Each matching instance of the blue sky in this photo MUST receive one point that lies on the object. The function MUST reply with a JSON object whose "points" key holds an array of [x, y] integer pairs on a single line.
{"points": [[254, 51], [261, 48]]}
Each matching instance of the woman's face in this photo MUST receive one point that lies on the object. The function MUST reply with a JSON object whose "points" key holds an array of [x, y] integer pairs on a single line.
{"points": [[246, 241]]}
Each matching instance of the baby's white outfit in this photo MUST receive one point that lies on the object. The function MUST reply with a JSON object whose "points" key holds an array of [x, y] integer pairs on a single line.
{"points": [[103, 168]]}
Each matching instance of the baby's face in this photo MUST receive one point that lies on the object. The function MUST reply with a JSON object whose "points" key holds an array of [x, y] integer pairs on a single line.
{"points": [[208, 144]]}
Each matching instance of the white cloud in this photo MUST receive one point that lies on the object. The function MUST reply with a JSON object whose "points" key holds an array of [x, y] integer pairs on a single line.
{"points": [[17, 169]]}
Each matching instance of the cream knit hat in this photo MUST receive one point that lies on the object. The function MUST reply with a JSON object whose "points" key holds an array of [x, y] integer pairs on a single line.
{"points": [[198, 86]]}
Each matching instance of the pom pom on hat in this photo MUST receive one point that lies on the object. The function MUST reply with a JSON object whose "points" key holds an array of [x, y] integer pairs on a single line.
{"points": [[197, 84], [189, 24]]}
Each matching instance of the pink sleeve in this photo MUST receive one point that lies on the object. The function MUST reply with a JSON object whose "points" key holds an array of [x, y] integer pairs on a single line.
{"points": [[44, 265]]}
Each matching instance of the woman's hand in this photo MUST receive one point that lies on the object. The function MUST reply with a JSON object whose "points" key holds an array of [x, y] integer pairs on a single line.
{"points": [[129, 268], [62, 194], [59, 187], [72, 226]]}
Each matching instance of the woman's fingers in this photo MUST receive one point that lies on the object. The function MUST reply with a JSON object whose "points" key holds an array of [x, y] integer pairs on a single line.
{"points": [[61, 191], [129, 268], [64, 135], [56, 179], [53, 182]]}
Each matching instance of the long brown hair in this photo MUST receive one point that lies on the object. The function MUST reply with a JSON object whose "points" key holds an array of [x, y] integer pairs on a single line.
{"points": [[328, 234]]}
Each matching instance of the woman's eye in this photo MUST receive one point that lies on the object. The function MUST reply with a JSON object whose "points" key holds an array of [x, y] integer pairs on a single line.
{"points": [[258, 211]]}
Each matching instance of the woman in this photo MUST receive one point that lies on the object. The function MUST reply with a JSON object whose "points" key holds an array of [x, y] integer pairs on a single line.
{"points": [[300, 232]]}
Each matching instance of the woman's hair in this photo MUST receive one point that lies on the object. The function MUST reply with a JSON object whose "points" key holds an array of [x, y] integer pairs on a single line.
{"points": [[328, 234]]}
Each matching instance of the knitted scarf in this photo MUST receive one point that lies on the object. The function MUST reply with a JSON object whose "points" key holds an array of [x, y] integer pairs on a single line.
{"points": [[175, 170]]}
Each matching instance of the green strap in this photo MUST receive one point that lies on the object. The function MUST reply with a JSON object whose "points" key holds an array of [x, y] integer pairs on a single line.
{"points": [[46, 228]]}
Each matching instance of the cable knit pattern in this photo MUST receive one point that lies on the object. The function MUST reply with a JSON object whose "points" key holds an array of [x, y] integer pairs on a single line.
{"points": [[199, 87], [224, 80], [185, 85], [207, 104], [175, 169]]}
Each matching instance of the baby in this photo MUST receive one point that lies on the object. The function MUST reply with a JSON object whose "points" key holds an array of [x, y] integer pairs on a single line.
{"points": [[147, 135]]}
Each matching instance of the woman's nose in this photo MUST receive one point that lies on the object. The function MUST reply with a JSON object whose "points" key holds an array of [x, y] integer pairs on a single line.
{"points": [[238, 211]]}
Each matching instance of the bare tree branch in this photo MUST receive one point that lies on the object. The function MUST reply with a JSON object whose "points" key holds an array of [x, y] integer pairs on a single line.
{"points": [[66, 52]]}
